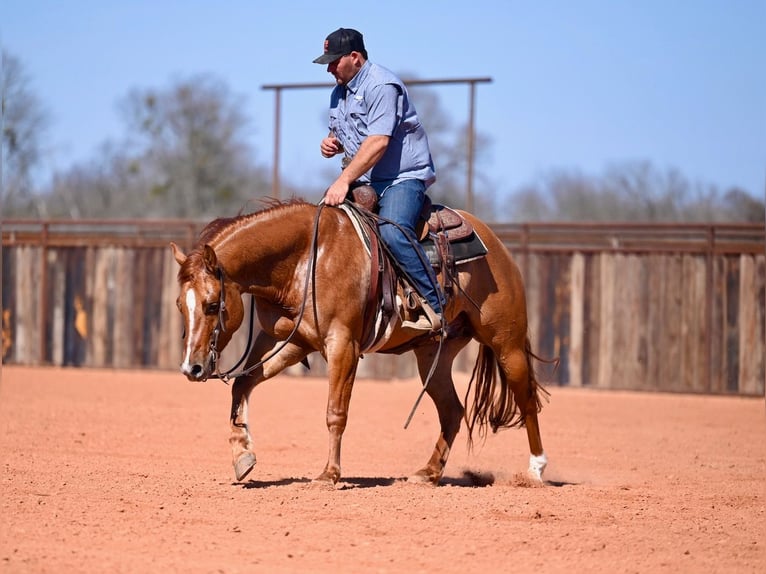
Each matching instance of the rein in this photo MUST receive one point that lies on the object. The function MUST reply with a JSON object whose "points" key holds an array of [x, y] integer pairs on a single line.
{"points": [[214, 354]]}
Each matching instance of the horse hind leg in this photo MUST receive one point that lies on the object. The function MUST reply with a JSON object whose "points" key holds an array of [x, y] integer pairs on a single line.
{"points": [[441, 389], [516, 371], [537, 457]]}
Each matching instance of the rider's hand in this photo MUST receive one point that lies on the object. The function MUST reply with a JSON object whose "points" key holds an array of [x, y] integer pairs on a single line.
{"points": [[336, 193], [330, 146]]}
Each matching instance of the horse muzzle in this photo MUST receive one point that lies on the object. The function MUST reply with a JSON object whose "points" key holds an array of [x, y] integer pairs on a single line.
{"points": [[198, 372]]}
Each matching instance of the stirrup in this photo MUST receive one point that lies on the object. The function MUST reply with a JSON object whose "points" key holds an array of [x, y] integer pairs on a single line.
{"points": [[429, 321]]}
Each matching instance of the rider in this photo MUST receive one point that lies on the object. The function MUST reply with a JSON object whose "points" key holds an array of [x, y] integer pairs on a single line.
{"points": [[373, 122]]}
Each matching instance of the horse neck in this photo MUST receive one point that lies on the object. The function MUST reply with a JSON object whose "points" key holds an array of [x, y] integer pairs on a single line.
{"points": [[262, 252]]}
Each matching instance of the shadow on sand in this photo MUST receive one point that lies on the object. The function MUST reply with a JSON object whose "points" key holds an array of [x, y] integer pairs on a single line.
{"points": [[468, 479]]}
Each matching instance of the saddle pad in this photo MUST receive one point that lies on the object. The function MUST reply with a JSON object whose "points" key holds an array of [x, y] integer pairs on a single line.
{"points": [[472, 247]]}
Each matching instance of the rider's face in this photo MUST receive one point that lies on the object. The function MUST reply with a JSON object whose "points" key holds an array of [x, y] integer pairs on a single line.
{"points": [[345, 67]]}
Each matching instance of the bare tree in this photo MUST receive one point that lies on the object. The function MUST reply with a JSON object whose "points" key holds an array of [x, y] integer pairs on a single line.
{"points": [[630, 192], [109, 185], [742, 206], [189, 148], [449, 148], [184, 155], [23, 122]]}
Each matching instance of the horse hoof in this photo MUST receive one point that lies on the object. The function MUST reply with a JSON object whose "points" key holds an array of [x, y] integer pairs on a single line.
{"points": [[322, 484], [326, 479], [245, 463], [423, 477], [537, 466]]}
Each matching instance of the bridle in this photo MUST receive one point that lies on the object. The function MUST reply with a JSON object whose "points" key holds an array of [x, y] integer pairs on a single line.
{"points": [[220, 326]]}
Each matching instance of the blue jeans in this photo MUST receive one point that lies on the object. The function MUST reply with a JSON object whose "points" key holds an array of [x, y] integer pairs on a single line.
{"points": [[402, 203]]}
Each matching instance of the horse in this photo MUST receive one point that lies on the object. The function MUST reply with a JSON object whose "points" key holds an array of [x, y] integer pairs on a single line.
{"points": [[309, 276]]}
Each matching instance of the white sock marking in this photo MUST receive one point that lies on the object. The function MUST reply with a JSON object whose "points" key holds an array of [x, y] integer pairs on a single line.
{"points": [[537, 465]]}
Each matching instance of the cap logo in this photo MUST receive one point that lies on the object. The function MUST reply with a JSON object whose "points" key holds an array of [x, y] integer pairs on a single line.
{"points": [[326, 46]]}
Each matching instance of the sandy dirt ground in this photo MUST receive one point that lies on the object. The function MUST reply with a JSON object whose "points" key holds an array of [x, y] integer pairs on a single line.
{"points": [[113, 471]]}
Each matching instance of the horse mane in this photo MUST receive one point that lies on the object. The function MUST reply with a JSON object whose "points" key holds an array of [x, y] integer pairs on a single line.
{"points": [[218, 226], [225, 225]]}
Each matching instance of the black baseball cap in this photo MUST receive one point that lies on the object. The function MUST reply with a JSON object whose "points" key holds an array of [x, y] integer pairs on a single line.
{"points": [[339, 43]]}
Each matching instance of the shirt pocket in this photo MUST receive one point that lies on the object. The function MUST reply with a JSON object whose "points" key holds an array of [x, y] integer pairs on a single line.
{"points": [[357, 113], [334, 122]]}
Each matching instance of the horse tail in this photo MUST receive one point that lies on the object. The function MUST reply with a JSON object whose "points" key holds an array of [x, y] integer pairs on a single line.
{"points": [[493, 404]]}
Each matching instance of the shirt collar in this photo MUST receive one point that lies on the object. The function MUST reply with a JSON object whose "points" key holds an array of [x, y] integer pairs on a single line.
{"points": [[357, 80]]}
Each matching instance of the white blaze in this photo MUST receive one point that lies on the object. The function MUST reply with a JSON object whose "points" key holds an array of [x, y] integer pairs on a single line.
{"points": [[191, 305]]}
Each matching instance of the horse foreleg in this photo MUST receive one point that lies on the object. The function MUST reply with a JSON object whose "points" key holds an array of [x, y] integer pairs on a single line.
{"points": [[240, 440], [342, 360], [243, 457], [441, 389]]}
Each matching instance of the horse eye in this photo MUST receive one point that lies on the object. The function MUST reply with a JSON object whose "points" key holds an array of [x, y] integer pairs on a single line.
{"points": [[183, 333], [211, 308]]}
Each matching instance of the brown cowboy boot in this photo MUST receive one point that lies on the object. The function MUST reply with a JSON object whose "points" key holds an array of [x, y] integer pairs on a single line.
{"points": [[429, 320]]}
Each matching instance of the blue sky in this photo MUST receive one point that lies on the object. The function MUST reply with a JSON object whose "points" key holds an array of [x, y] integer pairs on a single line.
{"points": [[577, 85]]}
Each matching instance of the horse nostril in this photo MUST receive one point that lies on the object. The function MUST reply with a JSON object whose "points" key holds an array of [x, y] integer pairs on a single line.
{"points": [[196, 371]]}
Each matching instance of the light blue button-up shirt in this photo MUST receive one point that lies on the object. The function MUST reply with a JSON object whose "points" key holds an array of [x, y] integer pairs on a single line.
{"points": [[376, 102]]}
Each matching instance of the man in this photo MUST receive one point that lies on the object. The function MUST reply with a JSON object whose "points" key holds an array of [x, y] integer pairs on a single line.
{"points": [[373, 122]]}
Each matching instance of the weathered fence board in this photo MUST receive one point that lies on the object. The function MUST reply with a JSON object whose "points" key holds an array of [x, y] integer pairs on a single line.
{"points": [[100, 296], [751, 323], [621, 307], [577, 321], [25, 320]]}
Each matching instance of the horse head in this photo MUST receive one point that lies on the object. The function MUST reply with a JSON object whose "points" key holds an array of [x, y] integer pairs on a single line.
{"points": [[212, 310]]}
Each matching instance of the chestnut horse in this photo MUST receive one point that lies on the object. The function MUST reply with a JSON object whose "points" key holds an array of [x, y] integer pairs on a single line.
{"points": [[276, 253]]}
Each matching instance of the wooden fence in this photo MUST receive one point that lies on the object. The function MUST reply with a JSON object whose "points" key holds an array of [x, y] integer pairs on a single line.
{"points": [[623, 306]]}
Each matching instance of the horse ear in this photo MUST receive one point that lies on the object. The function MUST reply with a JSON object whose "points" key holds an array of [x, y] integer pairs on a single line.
{"points": [[177, 253], [210, 259]]}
